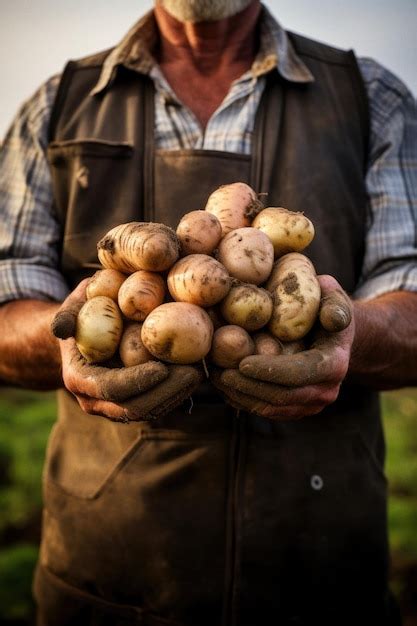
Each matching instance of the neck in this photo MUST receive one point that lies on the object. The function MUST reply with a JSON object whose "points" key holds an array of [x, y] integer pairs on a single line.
{"points": [[209, 45]]}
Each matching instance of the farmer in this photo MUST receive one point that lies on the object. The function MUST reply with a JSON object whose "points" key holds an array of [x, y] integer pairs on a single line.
{"points": [[274, 513]]}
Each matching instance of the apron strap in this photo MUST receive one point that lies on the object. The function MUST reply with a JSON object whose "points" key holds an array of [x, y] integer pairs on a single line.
{"points": [[266, 134], [148, 151]]}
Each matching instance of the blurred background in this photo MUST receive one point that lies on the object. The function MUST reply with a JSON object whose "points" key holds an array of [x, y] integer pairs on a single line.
{"points": [[36, 39]]}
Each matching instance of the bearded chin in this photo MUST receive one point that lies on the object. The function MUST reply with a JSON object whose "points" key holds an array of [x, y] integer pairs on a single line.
{"points": [[203, 10]]}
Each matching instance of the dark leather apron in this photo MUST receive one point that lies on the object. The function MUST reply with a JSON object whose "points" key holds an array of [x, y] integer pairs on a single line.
{"points": [[209, 517]]}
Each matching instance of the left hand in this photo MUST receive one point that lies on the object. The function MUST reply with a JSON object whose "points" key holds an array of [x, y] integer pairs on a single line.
{"points": [[288, 387]]}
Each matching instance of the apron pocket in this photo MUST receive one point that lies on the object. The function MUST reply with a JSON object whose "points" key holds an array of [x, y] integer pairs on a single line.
{"points": [[84, 204]]}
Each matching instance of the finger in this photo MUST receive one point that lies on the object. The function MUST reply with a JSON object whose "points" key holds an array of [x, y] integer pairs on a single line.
{"points": [[280, 395], [110, 410], [297, 370], [116, 384], [182, 381], [336, 309], [65, 320], [269, 392], [247, 403]]}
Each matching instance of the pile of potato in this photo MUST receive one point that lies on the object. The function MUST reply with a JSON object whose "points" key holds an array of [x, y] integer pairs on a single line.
{"points": [[230, 282]]}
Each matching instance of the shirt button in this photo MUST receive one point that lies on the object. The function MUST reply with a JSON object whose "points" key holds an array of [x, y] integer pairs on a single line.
{"points": [[316, 482]]}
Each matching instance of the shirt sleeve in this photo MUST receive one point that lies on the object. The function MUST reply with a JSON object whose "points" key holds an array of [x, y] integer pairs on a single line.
{"points": [[390, 261], [29, 231]]}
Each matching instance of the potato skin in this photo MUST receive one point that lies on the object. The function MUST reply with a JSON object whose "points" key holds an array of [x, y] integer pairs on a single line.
{"points": [[247, 254], [178, 332], [199, 232], [296, 294], [199, 279], [139, 246], [234, 205], [289, 231], [140, 293], [131, 348], [230, 345], [266, 344], [99, 328], [105, 282], [247, 306]]}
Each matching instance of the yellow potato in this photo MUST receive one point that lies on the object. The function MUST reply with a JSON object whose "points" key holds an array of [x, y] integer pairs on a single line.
{"points": [[99, 328], [247, 306], [296, 294], [289, 231]]}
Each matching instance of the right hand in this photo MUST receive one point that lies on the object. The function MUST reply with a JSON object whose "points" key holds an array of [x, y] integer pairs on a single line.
{"points": [[139, 392]]}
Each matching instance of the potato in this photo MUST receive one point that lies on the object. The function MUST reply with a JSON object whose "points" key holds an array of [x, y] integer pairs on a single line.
{"points": [[105, 283], [178, 332], [131, 348], [140, 294], [289, 231], [199, 232], [247, 306], [199, 279], [247, 254], [230, 345], [234, 205], [296, 294], [98, 329], [139, 246], [266, 344], [274, 276]]}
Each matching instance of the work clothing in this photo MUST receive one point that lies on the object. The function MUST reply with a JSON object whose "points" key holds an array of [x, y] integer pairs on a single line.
{"points": [[213, 516]]}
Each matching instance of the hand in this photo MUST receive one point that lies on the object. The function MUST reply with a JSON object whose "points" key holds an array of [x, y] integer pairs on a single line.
{"points": [[288, 387], [138, 392]]}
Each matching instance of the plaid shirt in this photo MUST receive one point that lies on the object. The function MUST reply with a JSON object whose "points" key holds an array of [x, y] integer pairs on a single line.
{"points": [[30, 234]]}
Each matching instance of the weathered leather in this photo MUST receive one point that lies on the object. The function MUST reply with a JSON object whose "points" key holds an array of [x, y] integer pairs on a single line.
{"points": [[208, 517]]}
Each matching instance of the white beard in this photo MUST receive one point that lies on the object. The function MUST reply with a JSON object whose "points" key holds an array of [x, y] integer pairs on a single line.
{"points": [[203, 10]]}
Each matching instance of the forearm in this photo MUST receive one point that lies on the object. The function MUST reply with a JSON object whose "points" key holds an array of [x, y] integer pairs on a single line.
{"points": [[29, 353], [384, 353]]}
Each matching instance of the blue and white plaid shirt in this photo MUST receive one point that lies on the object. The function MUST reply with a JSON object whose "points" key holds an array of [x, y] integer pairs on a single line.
{"points": [[30, 232]]}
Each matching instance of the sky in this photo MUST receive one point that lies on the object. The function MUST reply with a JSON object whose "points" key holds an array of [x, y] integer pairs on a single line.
{"points": [[37, 37]]}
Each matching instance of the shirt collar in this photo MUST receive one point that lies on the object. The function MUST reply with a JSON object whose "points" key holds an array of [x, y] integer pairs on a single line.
{"points": [[135, 52]]}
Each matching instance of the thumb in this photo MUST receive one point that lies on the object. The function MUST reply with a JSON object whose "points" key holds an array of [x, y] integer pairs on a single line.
{"points": [[336, 308], [64, 322]]}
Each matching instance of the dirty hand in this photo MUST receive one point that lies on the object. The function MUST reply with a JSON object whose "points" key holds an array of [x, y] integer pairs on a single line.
{"points": [[288, 387], [138, 392]]}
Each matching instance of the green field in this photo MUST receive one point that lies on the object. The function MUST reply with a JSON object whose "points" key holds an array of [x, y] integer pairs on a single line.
{"points": [[26, 418]]}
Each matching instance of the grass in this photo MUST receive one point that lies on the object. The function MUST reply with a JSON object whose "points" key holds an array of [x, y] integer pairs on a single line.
{"points": [[25, 421]]}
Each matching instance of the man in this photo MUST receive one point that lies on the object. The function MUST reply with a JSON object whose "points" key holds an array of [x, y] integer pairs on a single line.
{"points": [[216, 516]]}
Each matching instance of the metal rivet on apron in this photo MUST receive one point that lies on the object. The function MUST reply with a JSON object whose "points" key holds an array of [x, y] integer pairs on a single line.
{"points": [[82, 176], [316, 482]]}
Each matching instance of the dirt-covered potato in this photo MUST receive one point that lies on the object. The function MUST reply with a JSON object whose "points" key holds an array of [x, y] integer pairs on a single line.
{"points": [[289, 231], [247, 254], [199, 279], [140, 294], [230, 345], [296, 294], [178, 332], [199, 232], [98, 329], [105, 283], [234, 205], [247, 306], [139, 246], [131, 348]]}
